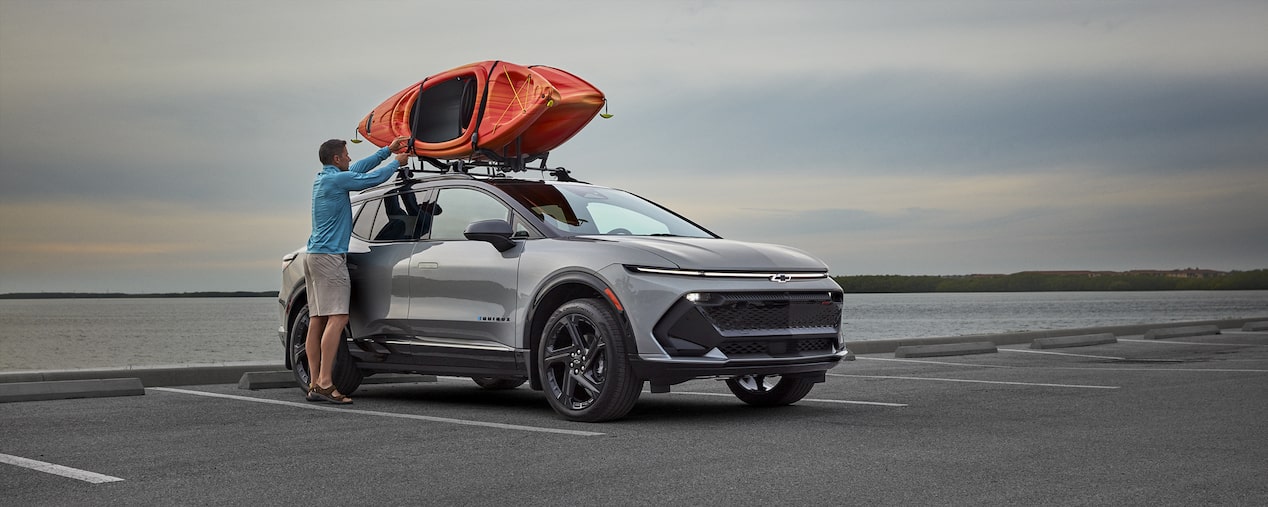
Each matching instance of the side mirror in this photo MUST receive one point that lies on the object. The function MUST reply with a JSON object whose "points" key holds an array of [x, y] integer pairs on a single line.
{"points": [[496, 232]]}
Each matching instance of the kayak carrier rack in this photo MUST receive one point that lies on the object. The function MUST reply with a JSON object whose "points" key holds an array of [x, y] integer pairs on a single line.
{"points": [[491, 165]]}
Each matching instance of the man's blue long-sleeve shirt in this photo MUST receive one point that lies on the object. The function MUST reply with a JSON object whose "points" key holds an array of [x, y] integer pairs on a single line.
{"points": [[332, 209]]}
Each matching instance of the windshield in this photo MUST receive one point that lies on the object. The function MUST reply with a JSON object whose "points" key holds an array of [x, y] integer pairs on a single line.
{"points": [[584, 209]]}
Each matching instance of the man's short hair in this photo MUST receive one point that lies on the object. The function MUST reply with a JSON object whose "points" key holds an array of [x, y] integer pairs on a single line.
{"points": [[326, 154]]}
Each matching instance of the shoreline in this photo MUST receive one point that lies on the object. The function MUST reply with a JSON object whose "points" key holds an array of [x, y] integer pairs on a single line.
{"points": [[32, 296], [148, 295]]}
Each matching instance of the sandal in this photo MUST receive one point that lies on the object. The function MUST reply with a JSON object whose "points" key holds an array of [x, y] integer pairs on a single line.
{"points": [[328, 394], [311, 395]]}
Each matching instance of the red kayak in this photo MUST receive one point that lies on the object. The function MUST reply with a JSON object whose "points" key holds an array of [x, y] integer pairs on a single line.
{"points": [[579, 102], [484, 105], [497, 106]]}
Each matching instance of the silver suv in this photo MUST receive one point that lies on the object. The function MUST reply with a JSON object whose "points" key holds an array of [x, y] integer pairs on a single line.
{"points": [[584, 292]]}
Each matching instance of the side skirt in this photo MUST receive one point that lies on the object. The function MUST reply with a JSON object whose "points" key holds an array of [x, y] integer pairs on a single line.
{"points": [[403, 355]]}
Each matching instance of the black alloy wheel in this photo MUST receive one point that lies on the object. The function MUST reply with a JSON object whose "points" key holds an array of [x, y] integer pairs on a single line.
{"points": [[769, 390], [347, 378], [582, 362]]}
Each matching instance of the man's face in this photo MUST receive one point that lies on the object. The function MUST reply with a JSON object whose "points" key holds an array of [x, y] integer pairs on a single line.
{"points": [[342, 160]]}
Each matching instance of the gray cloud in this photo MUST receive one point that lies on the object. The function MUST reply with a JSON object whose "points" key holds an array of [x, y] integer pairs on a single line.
{"points": [[220, 106], [930, 123]]}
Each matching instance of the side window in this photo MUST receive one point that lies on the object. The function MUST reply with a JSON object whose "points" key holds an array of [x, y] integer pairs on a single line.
{"points": [[364, 225], [395, 217], [456, 208], [521, 229]]}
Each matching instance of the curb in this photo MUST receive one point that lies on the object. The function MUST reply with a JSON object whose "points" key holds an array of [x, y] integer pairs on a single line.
{"points": [[1057, 342], [946, 349], [1181, 332], [883, 346], [155, 376], [68, 389]]}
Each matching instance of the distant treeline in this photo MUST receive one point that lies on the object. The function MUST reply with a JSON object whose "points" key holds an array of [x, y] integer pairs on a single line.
{"points": [[107, 295], [1041, 282], [1017, 282]]}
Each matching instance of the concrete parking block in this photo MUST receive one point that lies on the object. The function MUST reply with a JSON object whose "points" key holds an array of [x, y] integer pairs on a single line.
{"points": [[1255, 326], [1181, 332], [947, 349], [1057, 342], [255, 380], [67, 389]]}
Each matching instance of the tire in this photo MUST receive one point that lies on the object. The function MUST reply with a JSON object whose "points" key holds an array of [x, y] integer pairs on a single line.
{"points": [[347, 377], [769, 390], [581, 357], [499, 384]]}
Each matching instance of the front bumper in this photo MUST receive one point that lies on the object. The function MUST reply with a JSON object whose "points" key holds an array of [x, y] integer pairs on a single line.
{"points": [[661, 371]]}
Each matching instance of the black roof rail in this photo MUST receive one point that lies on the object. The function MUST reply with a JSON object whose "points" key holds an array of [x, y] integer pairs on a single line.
{"points": [[492, 166]]}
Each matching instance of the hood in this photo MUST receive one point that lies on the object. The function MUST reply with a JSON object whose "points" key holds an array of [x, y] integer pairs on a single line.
{"points": [[711, 254]]}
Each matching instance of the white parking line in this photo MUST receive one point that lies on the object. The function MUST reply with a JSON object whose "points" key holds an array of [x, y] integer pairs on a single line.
{"points": [[329, 408], [849, 402], [1077, 386], [1169, 342], [64, 471], [1060, 354], [932, 362], [1217, 370]]}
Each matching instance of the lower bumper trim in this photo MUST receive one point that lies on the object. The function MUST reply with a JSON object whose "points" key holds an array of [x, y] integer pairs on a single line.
{"points": [[669, 373]]}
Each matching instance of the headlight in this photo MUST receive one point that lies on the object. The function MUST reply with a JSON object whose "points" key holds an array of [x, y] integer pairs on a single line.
{"points": [[702, 298]]}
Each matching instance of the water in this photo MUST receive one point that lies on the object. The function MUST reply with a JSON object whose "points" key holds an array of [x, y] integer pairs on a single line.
{"points": [[54, 334], [51, 334], [880, 316]]}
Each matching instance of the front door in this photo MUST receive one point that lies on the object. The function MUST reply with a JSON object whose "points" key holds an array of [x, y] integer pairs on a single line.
{"points": [[463, 293]]}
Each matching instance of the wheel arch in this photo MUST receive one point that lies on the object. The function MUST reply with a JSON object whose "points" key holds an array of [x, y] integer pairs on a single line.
{"points": [[293, 307], [557, 290]]}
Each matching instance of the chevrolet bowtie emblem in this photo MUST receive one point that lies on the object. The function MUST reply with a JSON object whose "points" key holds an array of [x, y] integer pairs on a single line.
{"points": [[780, 278]]}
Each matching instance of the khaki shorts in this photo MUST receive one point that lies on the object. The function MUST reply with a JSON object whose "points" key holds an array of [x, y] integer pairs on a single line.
{"points": [[326, 277]]}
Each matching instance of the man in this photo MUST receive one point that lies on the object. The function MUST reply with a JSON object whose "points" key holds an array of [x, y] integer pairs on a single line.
{"points": [[325, 265]]}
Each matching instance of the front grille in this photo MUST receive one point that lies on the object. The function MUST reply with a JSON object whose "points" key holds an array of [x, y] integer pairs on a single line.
{"points": [[777, 347], [743, 348], [752, 325], [758, 312], [817, 345]]}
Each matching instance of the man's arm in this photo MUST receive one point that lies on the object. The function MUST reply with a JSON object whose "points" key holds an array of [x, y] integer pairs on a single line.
{"points": [[378, 157], [370, 162], [362, 180]]}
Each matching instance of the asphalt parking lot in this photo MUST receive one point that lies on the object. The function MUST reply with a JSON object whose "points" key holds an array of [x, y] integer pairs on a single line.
{"points": [[1160, 422]]}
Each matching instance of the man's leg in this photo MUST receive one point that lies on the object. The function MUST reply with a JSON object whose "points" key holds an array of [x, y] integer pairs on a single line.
{"points": [[312, 346], [331, 340]]}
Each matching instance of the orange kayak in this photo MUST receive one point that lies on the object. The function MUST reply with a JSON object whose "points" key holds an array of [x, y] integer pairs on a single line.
{"points": [[497, 106], [453, 114], [579, 102]]}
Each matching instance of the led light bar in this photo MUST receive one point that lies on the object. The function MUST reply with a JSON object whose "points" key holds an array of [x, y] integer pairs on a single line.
{"points": [[728, 274]]}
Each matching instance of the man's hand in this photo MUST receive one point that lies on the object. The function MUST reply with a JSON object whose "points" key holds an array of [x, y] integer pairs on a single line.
{"points": [[398, 144], [402, 159]]}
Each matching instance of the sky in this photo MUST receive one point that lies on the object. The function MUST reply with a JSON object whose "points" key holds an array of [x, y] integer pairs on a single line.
{"points": [[169, 146]]}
